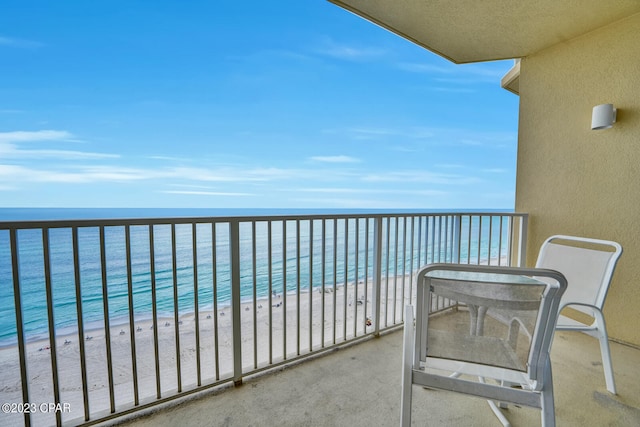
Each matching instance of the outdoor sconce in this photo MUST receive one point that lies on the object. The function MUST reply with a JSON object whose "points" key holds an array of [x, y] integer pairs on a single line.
{"points": [[604, 116]]}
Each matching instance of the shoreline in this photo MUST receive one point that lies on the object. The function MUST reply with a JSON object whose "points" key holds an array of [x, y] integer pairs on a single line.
{"points": [[97, 326]]}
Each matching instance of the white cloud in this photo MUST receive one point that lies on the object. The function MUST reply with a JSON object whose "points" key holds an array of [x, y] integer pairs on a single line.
{"points": [[458, 74], [425, 68], [207, 193], [10, 141], [369, 133], [349, 52], [420, 176], [17, 174], [105, 173], [453, 89], [171, 159], [238, 174], [365, 203], [59, 154], [449, 165], [335, 159], [40, 135], [472, 142], [372, 191], [353, 53], [20, 43]]}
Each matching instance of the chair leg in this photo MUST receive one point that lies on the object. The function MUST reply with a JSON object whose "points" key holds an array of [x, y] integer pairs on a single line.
{"points": [[548, 415], [496, 408], [407, 367], [498, 413], [607, 364], [405, 416]]}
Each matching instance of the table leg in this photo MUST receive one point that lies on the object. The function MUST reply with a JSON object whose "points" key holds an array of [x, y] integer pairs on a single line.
{"points": [[473, 319], [482, 311]]}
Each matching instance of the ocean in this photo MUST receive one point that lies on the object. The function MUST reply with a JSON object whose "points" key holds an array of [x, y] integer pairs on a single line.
{"points": [[294, 263]]}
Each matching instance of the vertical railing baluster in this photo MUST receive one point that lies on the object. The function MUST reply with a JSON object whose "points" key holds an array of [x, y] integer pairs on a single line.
{"points": [[500, 242], [428, 231], [51, 321], [439, 237], [270, 278], [310, 285], [433, 238], [440, 231], [345, 279], [196, 299], [411, 249], [395, 269], [255, 294], [214, 279], [404, 265], [356, 278], [511, 239], [448, 238], [22, 353], [490, 239], [377, 273], [479, 237], [419, 249], [324, 274], [524, 222], [107, 328], [154, 308], [445, 251], [469, 240], [83, 357], [234, 255], [335, 275], [176, 307], [134, 365], [386, 273], [457, 238], [284, 289], [366, 273], [298, 287]]}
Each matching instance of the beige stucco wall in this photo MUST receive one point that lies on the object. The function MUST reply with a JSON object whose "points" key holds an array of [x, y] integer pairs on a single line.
{"points": [[572, 180]]}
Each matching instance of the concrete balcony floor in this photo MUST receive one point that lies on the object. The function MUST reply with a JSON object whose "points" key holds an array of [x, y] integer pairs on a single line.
{"points": [[360, 386]]}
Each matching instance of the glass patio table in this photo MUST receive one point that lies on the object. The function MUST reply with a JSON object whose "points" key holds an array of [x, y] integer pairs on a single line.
{"points": [[481, 291]]}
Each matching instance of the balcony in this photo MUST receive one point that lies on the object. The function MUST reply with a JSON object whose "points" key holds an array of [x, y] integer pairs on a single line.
{"points": [[109, 319]]}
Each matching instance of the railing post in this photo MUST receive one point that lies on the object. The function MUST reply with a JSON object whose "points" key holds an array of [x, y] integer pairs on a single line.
{"points": [[377, 273], [234, 252]]}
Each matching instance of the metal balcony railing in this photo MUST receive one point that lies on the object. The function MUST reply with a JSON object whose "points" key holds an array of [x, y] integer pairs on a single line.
{"points": [[100, 318]]}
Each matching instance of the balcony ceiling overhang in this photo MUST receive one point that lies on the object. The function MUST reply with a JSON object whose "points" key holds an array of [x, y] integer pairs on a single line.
{"points": [[472, 31]]}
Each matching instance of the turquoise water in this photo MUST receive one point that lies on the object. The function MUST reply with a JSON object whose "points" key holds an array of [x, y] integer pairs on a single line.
{"points": [[213, 267]]}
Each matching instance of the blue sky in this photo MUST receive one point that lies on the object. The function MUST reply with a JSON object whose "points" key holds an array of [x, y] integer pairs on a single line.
{"points": [[224, 104]]}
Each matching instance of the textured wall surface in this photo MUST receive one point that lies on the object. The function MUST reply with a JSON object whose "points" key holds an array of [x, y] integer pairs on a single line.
{"points": [[573, 180]]}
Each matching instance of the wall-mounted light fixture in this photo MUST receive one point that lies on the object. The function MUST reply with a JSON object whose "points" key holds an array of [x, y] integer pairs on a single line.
{"points": [[604, 116]]}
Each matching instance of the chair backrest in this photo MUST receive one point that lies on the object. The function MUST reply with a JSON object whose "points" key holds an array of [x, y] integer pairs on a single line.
{"points": [[485, 341], [587, 267]]}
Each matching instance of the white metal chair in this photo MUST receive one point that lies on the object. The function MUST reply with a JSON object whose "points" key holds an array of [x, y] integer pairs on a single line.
{"points": [[441, 351], [588, 269]]}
